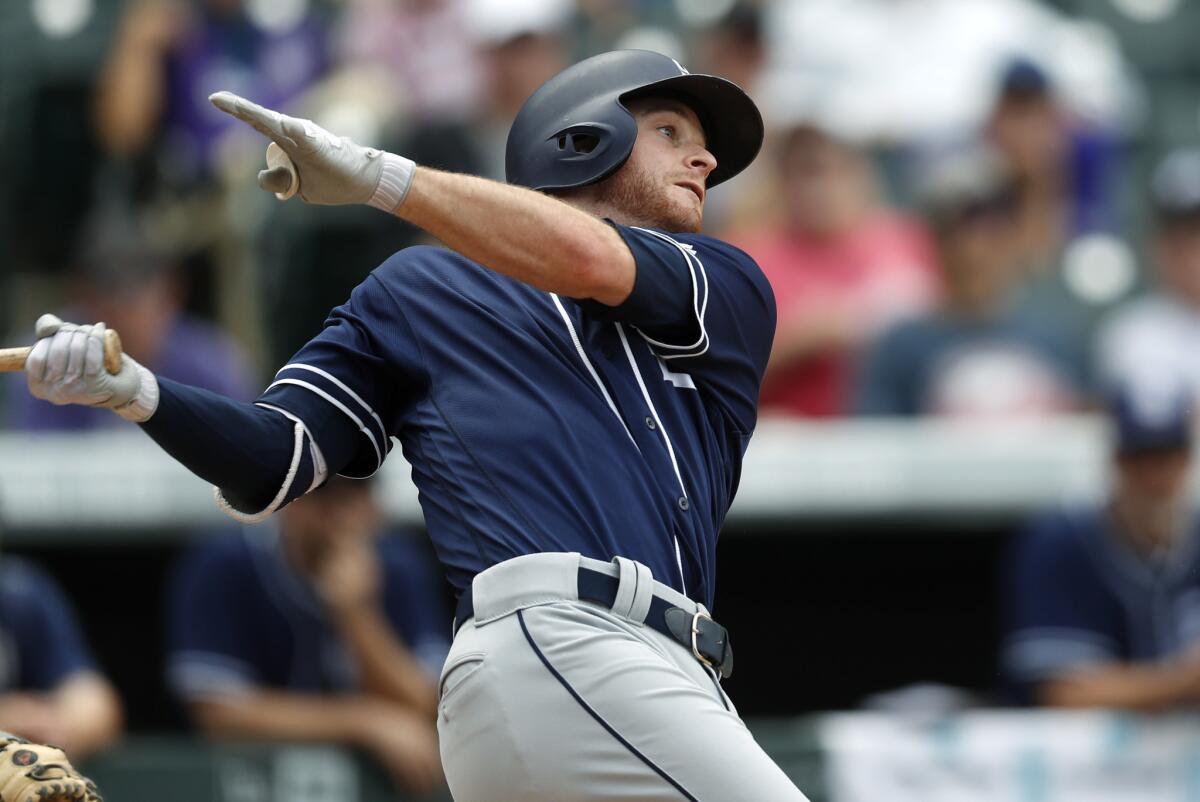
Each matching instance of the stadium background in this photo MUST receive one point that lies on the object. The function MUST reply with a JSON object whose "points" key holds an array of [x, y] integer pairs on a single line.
{"points": [[857, 564]]}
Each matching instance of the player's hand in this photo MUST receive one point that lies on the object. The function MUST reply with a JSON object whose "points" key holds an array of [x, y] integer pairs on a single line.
{"points": [[66, 366], [329, 170], [405, 744]]}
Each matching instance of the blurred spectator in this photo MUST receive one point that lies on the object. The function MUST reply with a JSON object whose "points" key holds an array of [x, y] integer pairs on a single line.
{"points": [[321, 630], [974, 355], [126, 282], [1057, 173], [1073, 268], [424, 48], [1160, 333], [50, 688], [733, 46], [1104, 603], [170, 55], [521, 44], [842, 267]]}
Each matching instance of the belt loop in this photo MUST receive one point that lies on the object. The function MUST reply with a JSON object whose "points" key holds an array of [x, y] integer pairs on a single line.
{"points": [[635, 589]]}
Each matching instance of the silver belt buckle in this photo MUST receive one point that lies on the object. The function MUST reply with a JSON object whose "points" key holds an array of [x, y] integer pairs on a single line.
{"points": [[695, 646]]}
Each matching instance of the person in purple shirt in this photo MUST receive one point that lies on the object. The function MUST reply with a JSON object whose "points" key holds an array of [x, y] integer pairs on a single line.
{"points": [[169, 56]]}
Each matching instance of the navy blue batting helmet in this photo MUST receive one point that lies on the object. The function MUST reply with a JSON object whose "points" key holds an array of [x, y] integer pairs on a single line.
{"points": [[576, 130]]}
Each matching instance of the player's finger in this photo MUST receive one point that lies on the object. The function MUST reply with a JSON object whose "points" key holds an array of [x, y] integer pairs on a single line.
{"points": [[277, 180], [46, 325], [306, 134], [59, 355], [77, 351], [93, 360], [266, 121], [35, 366]]}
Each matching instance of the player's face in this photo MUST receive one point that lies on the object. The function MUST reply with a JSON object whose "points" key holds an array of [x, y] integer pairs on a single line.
{"points": [[663, 183]]}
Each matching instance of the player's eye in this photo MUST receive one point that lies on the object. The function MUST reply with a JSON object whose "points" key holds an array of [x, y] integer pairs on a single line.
{"points": [[667, 130]]}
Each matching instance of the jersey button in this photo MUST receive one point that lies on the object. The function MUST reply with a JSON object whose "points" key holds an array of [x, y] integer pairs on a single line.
{"points": [[683, 503], [650, 423]]}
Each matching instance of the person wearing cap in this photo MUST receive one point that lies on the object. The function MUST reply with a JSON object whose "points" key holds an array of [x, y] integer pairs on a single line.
{"points": [[973, 355], [1102, 604], [574, 380], [1160, 332], [1073, 262], [324, 627], [51, 689], [843, 268]]}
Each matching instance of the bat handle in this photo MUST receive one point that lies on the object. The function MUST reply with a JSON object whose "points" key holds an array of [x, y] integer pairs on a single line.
{"points": [[12, 359]]}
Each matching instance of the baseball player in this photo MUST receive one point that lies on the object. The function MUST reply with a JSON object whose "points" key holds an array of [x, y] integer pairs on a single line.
{"points": [[574, 382]]}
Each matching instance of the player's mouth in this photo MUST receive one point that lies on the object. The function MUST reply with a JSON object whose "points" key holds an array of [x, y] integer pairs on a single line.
{"points": [[694, 188]]}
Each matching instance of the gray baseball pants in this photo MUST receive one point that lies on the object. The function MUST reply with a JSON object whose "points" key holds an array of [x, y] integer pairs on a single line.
{"points": [[546, 698]]}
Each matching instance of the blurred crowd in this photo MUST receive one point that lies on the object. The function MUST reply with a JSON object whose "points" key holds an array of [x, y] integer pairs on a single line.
{"points": [[956, 204], [986, 209]]}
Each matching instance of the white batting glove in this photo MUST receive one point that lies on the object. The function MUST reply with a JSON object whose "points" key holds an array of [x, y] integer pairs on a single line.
{"points": [[329, 170], [66, 366]]}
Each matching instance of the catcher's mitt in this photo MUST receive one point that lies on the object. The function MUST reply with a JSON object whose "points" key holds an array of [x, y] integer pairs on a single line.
{"points": [[36, 773]]}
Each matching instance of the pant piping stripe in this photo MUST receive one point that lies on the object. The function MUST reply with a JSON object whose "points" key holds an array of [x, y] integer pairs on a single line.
{"points": [[563, 681]]}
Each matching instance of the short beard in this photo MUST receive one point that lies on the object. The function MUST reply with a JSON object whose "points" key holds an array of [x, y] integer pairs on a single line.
{"points": [[634, 198]]}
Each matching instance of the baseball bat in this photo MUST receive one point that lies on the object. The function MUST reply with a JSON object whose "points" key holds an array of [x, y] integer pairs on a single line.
{"points": [[14, 358]]}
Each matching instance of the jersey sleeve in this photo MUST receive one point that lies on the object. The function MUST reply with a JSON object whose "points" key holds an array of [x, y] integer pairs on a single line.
{"points": [[363, 368], [705, 309], [414, 600], [1056, 615], [50, 643], [210, 650]]}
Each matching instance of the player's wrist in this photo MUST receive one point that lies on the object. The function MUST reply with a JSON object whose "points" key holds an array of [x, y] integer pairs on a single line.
{"points": [[395, 180], [144, 402]]}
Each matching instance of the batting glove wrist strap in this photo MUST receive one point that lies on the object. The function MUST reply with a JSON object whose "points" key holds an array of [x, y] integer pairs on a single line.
{"points": [[145, 400], [394, 182]]}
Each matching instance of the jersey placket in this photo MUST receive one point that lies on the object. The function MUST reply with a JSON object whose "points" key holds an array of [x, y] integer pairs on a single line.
{"points": [[628, 385]]}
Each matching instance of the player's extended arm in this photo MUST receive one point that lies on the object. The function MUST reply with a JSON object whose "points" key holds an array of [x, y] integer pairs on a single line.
{"points": [[260, 458], [515, 231]]}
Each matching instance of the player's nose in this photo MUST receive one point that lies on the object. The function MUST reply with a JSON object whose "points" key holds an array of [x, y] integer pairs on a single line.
{"points": [[702, 160]]}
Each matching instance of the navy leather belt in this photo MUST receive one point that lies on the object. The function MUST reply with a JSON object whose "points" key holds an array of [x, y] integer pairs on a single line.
{"points": [[704, 637]]}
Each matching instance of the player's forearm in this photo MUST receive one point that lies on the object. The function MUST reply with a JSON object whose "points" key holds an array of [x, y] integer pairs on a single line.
{"points": [[284, 716], [243, 449], [387, 667], [1147, 688], [523, 234]]}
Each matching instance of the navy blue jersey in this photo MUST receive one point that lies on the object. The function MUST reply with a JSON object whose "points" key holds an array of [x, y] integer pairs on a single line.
{"points": [[535, 422], [240, 617], [40, 641], [1079, 595]]}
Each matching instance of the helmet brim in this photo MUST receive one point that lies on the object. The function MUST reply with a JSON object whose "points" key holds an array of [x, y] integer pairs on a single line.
{"points": [[733, 126]]}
